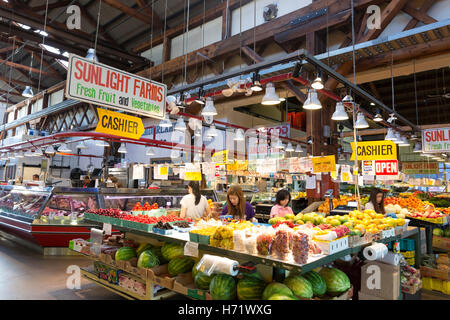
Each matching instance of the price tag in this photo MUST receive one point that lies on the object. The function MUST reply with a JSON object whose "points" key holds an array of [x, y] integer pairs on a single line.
{"points": [[51, 215], [73, 215], [107, 228], [191, 249]]}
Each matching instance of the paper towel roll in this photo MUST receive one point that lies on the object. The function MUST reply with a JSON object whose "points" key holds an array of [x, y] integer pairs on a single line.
{"points": [[375, 251], [391, 258], [213, 264]]}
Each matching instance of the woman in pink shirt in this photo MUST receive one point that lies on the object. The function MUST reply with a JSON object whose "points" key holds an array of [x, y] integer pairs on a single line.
{"points": [[280, 209]]}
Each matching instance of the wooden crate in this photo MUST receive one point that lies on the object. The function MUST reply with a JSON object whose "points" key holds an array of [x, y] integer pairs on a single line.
{"points": [[435, 273]]}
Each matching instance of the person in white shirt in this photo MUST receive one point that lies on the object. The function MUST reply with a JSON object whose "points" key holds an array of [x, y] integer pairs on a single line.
{"points": [[194, 205], [376, 201]]}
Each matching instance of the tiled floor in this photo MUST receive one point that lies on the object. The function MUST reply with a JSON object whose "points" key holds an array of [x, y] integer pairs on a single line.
{"points": [[28, 275]]}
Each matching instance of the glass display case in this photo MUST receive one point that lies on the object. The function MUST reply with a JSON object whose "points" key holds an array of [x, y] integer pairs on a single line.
{"points": [[125, 199], [23, 203]]}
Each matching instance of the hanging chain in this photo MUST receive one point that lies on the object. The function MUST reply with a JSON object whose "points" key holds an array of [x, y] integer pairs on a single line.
{"points": [[240, 38], [151, 42], [392, 82], [415, 92], [165, 25], [98, 24], [42, 47], [254, 28], [10, 72]]}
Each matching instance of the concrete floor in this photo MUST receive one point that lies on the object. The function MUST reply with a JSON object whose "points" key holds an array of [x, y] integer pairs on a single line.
{"points": [[28, 275]]}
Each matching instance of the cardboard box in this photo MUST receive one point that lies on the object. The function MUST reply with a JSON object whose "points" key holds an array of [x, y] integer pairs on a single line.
{"points": [[184, 284], [387, 286], [441, 243], [435, 273], [160, 275], [364, 296]]}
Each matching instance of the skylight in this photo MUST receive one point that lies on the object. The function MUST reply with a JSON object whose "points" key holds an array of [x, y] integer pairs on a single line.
{"points": [[42, 33], [23, 26]]}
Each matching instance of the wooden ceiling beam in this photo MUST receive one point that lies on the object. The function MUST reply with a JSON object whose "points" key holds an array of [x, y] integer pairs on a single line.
{"points": [[132, 12], [51, 6], [418, 14], [23, 67], [18, 82], [424, 8], [11, 93], [143, 4]]}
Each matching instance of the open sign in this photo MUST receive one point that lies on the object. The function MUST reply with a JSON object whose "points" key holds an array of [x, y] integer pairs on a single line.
{"points": [[386, 167]]}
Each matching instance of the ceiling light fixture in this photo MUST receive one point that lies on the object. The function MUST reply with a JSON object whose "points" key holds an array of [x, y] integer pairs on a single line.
{"points": [[28, 92], [271, 97], [82, 146], [91, 55], [150, 152], [180, 125], [256, 86], [361, 122], [339, 114], [209, 109], [165, 123], [239, 135], [64, 148], [317, 84], [123, 148], [313, 102]]}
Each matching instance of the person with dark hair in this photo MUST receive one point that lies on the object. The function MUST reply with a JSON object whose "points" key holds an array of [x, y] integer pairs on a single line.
{"points": [[194, 205], [237, 206], [88, 183], [376, 201], [281, 208], [35, 177]]}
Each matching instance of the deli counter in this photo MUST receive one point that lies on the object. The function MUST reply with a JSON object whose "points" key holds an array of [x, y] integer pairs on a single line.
{"points": [[52, 216]]}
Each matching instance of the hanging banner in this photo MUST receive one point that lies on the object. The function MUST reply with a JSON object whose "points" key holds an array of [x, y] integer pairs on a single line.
{"points": [[436, 140], [375, 150], [283, 164], [420, 167], [306, 165], [324, 164], [192, 172], [220, 157], [119, 124], [294, 165], [368, 168], [161, 172], [386, 167], [283, 130], [97, 83]]}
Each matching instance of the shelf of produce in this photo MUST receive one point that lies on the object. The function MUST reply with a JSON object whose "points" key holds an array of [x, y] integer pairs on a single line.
{"points": [[269, 261], [90, 275]]}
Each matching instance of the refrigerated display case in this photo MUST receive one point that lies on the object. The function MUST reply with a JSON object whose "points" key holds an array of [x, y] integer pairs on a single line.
{"points": [[49, 217]]}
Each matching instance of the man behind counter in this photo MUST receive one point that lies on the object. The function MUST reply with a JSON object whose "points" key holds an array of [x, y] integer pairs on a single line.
{"points": [[88, 183]]}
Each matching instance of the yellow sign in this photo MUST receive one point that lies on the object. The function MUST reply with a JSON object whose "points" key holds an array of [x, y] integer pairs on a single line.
{"points": [[324, 164], [163, 171], [220, 157], [375, 150], [193, 176], [238, 166], [119, 124]]}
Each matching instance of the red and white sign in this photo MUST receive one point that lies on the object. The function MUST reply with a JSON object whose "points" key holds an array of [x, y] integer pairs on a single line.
{"points": [[436, 140], [386, 167], [100, 84], [283, 130]]}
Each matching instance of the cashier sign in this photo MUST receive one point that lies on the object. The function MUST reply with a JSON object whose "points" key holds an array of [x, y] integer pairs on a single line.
{"points": [[375, 150], [96, 83]]}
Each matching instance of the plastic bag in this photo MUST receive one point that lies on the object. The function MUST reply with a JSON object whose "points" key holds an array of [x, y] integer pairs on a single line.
{"points": [[239, 240], [300, 247], [281, 243], [264, 241]]}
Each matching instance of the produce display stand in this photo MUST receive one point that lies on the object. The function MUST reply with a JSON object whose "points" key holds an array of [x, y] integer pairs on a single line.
{"points": [[428, 230], [279, 266]]}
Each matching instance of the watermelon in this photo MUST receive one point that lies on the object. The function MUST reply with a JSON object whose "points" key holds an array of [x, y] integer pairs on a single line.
{"points": [[142, 247], [280, 296], [319, 285], [125, 253], [170, 251], [147, 260], [447, 233], [157, 252], [202, 280], [299, 286], [250, 288], [223, 287], [336, 280], [194, 270], [276, 288], [180, 265]]}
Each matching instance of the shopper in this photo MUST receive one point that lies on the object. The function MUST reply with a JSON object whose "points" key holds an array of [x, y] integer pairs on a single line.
{"points": [[35, 177], [281, 208], [237, 206], [88, 183], [376, 201], [194, 205]]}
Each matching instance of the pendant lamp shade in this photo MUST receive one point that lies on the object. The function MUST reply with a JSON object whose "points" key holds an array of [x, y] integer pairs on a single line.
{"points": [[50, 150], [28, 92], [339, 114], [361, 122], [313, 102], [212, 132], [299, 149], [165, 123], [82, 146], [347, 99], [91, 55], [239, 135], [418, 147], [390, 135], [101, 143], [271, 97], [289, 147], [209, 109], [150, 152], [404, 142], [180, 125], [317, 84], [38, 153], [64, 148], [398, 138], [123, 148]]}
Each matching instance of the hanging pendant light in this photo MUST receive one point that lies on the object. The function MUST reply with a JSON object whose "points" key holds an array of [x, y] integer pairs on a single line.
{"points": [[64, 148], [165, 123], [101, 143], [390, 135], [91, 55], [313, 102], [180, 125], [256, 86], [171, 102], [198, 132], [317, 84], [122, 149], [299, 149], [239, 135], [339, 114], [289, 147], [404, 142], [212, 132], [28, 92], [347, 99], [50, 150], [82, 146], [398, 138], [200, 99], [378, 117], [38, 153], [271, 97], [197, 157], [361, 122], [150, 152], [209, 109], [418, 147], [278, 144]]}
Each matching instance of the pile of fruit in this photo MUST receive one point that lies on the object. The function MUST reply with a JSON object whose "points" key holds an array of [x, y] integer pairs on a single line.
{"points": [[342, 201], [145, 207], [205, 231], [372, 222], [411, 203], [223, 237], [112, 213], [300, 195], [438, 232], [151, 220], [163, 226], [182, 224]]}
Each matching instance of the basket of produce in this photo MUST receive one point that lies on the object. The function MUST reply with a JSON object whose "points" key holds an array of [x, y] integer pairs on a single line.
{"points": [[163, 228], [182, 226]]}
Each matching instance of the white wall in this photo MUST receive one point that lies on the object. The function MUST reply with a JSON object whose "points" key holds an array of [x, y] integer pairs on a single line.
{"points": [[155, 54]]}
